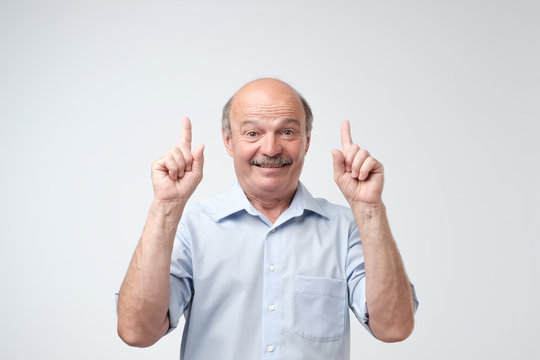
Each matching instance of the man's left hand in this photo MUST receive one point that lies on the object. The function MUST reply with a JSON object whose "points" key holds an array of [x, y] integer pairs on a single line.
{"points": [[358, 175]]}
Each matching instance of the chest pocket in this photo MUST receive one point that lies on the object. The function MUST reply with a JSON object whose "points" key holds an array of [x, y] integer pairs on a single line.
{"points": [[320, 307]]}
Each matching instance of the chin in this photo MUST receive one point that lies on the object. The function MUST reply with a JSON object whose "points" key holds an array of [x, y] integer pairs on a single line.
{"points": [[273, 185]]}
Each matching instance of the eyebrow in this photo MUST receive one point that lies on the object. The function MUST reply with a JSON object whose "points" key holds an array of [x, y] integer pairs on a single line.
{"points": [[281, 122]]}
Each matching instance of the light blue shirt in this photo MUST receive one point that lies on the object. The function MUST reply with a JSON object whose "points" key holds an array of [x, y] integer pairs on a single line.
{"points": [[250, 289]]}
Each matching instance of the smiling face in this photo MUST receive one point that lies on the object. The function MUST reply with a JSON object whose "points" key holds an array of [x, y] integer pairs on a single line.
{"points": [[268, 139]]}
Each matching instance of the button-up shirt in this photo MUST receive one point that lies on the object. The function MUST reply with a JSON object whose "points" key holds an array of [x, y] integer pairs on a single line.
{"points": [[253, 289]]}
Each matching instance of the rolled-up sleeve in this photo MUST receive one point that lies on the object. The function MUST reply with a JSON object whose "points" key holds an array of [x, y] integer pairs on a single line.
{"points": [[356, 279], [181, 277]]}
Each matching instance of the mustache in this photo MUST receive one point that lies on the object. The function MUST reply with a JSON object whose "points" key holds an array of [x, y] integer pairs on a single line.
{"points": [[276, 161]]}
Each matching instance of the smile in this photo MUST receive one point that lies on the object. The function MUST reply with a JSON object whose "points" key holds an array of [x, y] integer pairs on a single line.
{"points": [[271, 162]]}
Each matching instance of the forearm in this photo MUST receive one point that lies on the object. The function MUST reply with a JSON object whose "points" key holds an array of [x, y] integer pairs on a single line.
{"points": [[388, 291], [144, 296]]}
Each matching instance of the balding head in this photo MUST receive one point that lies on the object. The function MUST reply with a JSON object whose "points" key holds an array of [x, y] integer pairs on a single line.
{"points": [[259, 87]]}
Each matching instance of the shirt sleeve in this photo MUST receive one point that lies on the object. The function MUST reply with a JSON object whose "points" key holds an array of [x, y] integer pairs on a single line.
{"points": [[356, 279], [181, 276]]}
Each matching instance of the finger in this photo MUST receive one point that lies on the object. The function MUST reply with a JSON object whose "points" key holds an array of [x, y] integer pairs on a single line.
{"points": [[198, 159], [185, 138], [178, 156], [158, 166], [187, 157], [367, 167], [339, 163], [172, 167], [350, 154], [346, 139], [358, 161]]}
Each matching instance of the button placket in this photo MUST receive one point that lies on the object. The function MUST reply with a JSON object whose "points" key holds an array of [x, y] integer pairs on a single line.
{"points": [[271, 295]]}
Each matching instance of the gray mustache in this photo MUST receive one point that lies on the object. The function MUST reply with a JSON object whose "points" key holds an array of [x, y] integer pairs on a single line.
{"points": [[270, 161]]}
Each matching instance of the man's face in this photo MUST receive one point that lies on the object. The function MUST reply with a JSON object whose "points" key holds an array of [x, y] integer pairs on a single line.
{"points": [[268, 139]]}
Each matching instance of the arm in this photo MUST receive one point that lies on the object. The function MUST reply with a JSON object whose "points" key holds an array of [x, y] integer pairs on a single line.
{"points": [[389, 296], [143, 300]]}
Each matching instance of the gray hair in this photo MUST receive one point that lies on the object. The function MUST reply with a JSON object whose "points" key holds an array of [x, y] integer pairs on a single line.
{"points": [[226, 115]]}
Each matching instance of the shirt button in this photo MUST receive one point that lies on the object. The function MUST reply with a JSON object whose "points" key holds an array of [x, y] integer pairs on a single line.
{"points": [[272, 267], [269, 348], [271, 307], [273, 230]]}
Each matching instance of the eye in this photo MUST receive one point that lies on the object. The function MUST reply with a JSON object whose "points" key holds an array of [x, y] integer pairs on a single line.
{"points": [[251, 133], [288, 132]]}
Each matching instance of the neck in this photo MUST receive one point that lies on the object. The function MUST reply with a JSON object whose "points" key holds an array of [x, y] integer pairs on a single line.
{"points": [[270, 206]]}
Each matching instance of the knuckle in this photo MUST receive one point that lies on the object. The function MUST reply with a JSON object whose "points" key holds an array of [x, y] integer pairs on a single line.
{"points": [[185, 152], [183, 163], [183, 147], [176, 150], [352, 152], [172, 166]]}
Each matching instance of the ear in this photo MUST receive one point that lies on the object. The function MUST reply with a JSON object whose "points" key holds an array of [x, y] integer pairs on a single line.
{"points": [[227, 141], [308, 140]]}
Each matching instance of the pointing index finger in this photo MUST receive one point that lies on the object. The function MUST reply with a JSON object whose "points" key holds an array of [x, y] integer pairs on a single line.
{"points": [[346, 139], [185, 138]]}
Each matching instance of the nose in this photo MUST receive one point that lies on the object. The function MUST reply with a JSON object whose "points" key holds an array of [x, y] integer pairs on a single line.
{"points": [[270, 146]]}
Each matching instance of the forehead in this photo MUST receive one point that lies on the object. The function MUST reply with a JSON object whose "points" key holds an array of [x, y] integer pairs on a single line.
{"points": [[267, 99]]}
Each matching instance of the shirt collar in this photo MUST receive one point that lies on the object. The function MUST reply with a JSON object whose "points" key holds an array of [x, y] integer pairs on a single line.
{"points": [[235, 200]]}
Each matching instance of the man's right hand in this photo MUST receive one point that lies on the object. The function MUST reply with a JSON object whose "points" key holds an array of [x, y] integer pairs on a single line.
{"points": [[145, 294], [176, 175]]}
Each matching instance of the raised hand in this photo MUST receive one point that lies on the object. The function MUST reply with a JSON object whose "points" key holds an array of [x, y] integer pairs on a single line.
{"points": [[176, 174], [358, 175]]}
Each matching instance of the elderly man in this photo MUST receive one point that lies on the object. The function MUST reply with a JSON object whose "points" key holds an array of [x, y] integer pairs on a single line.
{"points": [[265, 271]]}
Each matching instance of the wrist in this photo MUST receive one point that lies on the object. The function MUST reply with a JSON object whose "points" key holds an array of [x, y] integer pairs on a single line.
{"points": [[366, 213], [366, 208], [170, 211]]}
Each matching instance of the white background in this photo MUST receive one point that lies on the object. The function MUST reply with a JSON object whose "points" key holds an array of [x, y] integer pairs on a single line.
{"points": [[445, 93]]}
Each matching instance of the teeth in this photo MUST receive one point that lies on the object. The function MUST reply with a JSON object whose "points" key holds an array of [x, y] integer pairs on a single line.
{"points": [[271, 163]]}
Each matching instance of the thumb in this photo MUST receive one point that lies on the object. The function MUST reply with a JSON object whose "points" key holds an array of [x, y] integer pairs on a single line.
{"points": [[198, 159], [339, 162]]}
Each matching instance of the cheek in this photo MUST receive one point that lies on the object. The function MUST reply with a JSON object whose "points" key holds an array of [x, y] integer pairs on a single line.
{"points": [[244, 151], [298, 151]]}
